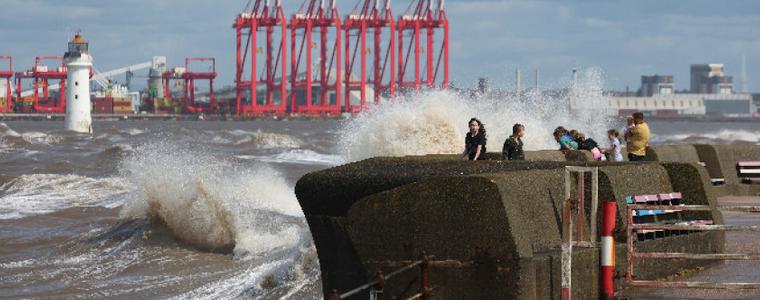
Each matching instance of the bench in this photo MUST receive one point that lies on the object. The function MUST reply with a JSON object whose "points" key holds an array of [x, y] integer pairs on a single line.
{"points": [[654, 215], [748, 171]]}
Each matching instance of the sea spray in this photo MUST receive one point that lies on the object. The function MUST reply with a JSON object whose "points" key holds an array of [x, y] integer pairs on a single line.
{"points": [[204, 201], [33, 194], [435, 122]]}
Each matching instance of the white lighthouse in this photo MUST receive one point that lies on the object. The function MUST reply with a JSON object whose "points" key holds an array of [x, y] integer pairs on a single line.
{"points": [[78, 63]]}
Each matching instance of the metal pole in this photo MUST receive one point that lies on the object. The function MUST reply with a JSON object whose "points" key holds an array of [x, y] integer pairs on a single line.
{"points": [[363, 64], [348, 67], [254, 81], [567, 250], [338, 79], [608, 250], [238, 64], [284, 59], [425, 282], [334, 295], [581, 206], [380, 279], [594, 203], [309, 53], [270, 75], [629, 244]]}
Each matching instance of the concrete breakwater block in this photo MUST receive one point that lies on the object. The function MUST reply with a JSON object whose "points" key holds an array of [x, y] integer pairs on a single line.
{"points": [[543, 155], [486, 226], [673, 153], [325, 197], [492, 225], [722, 159]]}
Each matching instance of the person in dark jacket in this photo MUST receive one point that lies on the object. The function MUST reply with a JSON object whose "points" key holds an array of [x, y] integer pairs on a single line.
{"points": [[475, 141], [513, 146], [589, 144]]}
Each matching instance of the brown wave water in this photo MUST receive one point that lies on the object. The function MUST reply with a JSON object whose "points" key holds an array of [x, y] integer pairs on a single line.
{"points": [[158, 209], [164, 209]]}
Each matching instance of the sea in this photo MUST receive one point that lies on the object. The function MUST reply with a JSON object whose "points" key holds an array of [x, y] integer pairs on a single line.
{"points": [[206, 209]]}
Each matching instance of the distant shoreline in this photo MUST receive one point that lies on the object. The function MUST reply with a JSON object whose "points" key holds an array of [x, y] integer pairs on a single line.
{"points": [[159, 117], [227, 117]]}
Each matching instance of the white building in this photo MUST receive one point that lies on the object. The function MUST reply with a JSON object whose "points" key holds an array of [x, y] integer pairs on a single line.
{"points": [[685, 104]]}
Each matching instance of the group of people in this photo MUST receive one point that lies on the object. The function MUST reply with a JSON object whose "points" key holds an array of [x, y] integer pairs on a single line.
{"points": [[635, 134], [475, 142]]}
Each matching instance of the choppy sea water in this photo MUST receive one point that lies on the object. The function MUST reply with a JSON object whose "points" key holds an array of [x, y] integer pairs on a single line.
{"points": [[165, 209]]}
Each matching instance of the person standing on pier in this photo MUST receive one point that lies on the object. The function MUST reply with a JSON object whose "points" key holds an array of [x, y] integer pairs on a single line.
{"points": [[513, 146], [639, 138], [475, 142]]}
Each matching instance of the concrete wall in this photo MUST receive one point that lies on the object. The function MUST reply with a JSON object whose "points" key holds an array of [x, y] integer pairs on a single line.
{"points": [[326, 196], [721, 162], [493, 225]]}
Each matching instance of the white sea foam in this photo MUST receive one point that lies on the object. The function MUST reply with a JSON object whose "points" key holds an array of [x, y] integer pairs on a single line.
{"points": [[6, 130], [204, 201], [718, 137], [298, 156], [135, 131], [44, 193], [268, 140], [34, 137], [436, 121]]}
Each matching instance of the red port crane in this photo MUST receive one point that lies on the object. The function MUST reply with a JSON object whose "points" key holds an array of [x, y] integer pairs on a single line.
{"points": [[310, 16], [41, 76], [272, 20], [5, 99], [423, 15], [369, 17], [190, 76]]}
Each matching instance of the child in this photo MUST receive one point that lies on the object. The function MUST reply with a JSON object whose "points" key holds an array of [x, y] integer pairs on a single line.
{"points": [[564, 139], [630, 124], [614, 148], [588, 144]]}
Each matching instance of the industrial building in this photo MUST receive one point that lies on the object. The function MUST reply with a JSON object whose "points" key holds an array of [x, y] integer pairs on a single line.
{"points": [[710, 79], [656, 85], [711, 93]]}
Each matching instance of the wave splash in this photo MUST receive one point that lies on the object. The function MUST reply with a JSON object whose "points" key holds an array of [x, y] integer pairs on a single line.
{"points": [[435, 122], [204, 201]]}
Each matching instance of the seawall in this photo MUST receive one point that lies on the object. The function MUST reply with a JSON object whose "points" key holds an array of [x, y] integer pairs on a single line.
{"points": [[492, 225]]}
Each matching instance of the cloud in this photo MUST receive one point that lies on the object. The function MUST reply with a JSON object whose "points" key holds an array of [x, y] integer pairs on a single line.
{"points": [[487, 37]]}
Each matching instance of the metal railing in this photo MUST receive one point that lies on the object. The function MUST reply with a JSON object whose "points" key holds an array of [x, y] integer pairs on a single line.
{"points": [[376, 285], [574, 209], [681, 226]]}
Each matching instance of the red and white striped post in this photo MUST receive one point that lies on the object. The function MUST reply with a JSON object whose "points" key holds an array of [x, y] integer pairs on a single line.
{"points": [[607, 273], [567, 250]]}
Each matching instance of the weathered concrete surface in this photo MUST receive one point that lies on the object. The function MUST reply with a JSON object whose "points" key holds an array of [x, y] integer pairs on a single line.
{"points": [[326, 196], [721, 162], [489, 224], [539, 155], [695, 192], [485, 217], [729, 155], [673, 153], [707, 155]]}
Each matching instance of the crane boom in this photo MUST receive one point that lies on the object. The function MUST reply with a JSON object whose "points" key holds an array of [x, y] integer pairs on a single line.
{"points": [[100, 78]]}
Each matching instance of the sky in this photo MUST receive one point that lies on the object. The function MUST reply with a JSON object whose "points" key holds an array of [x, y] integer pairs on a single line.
{"points": [[623, 39]]}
